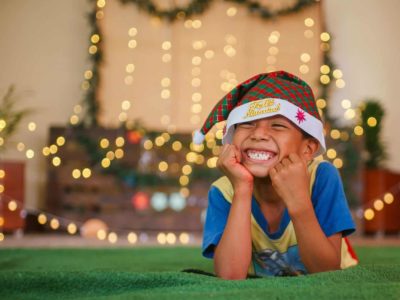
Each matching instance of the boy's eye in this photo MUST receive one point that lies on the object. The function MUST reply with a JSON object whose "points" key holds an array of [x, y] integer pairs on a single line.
{"points": [[246, 125], [279, 125]]}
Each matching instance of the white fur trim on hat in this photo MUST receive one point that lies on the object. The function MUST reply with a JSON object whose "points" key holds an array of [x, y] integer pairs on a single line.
{"points": [[269, 107]]}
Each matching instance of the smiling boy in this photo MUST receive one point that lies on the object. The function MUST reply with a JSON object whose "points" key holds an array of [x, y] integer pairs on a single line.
{"points": [[278, 210]]}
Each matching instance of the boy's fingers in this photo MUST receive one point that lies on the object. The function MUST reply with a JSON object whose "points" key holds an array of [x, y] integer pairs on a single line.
{"points": [[294, 157], [286, 162]]}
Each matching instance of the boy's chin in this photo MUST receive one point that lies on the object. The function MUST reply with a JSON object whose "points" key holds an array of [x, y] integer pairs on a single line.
{"points": [[259, 172]]}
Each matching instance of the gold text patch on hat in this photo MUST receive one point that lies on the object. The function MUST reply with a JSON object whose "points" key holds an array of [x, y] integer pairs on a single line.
{"points": [[262, 107]]}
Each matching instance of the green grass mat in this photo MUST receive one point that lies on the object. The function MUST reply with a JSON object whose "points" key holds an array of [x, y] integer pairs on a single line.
{"points": [[155, 273]]}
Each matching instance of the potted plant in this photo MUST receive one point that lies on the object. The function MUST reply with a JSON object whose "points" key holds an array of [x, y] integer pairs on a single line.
{"points": [[11, 172]]}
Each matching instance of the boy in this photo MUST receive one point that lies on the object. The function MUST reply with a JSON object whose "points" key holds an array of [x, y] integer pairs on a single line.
{"points": [[278, 210]]}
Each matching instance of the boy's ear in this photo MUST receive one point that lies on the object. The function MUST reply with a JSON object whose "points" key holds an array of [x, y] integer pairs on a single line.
{"points": [[310, 147]]}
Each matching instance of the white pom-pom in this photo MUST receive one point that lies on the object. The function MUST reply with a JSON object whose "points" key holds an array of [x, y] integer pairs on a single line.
{"points": [[198, 137]]}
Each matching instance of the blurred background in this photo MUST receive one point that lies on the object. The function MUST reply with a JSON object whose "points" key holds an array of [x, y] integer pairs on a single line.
{"points": [[99, 99]]}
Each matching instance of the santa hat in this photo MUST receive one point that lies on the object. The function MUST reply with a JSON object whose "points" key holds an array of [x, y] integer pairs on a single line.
{"points": [[266, 95]]}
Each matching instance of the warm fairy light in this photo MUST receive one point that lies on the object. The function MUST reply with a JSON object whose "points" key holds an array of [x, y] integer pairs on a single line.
{"points": [[186, 169], [71, 228], [126, 104], [166, 45], [101, 234], [85, 85], [176, 146], [20, 146], [378, 204], [166, 136], [76, 173], [166, 58], [159, 141], [112, 237], [188, 24], [119, 153], [388, 198], [165, 120], [369, 214], [197, 45], [325, 69], [165, 94], [165, 82], [93, 49], [3, 124], [2, 188], [349, 114], [110, 155], [209, 54], [231, 11], [1, 141], [2, 173], [219, 134], [122, 117], [200, 159], [212, 162], [344, 136], [304, 69], [95, 38], [101, 3], [324, 79], [308, 34], [1, 221], [196, 71], [163, 166], [105, 162], [161, 238], [88, 75], [86, 173], [325, 37], [104, 143], [184, 191], [337, 74], [197, 148], [325, 47], [229, 51], [274, 37], [340, 83], [171, 238], [60, 141], [271, 59], [331, 153], [305, 57], [30, 153], [309, 22], [184, 238], [54, 224], [132, 44], [338, 163], [216, 150], [1, 236], [184, 180], [132, 238], [119, 141], [196, 97], [132, 31], [196, 108], [335, 134], [273, 50], [53, 149], [358, 130], [191, 157], [42, 219], [321, 103], [372, 122], [346, 104], [56, 161], [12, 205], [32, 126], [74, 119], [196, 24], [130, 68], [196, 60], [147, 145]]}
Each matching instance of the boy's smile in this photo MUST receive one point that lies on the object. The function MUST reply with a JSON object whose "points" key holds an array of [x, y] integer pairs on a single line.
{"points": [[265, 142]]}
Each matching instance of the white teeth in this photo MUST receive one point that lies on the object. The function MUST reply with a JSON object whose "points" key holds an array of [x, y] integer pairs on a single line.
{"points": [[259, 155]]}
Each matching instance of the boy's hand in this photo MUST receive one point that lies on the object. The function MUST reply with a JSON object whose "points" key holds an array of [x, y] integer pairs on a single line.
{"points": [[291, 181], [229, 162]]}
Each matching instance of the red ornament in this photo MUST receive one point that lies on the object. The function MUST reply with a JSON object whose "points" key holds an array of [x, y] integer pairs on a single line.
{"points": [[134, 137], [140, 201]]}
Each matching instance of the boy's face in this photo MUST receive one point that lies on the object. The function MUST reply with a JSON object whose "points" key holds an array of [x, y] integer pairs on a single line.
{"points": [[265, 142]]}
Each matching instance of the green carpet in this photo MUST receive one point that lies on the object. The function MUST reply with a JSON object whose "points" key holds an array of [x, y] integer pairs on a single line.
{"points": [[155, 273]]}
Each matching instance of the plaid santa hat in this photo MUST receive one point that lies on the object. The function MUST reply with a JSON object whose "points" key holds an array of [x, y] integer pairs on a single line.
{"points": [[266, 95]]}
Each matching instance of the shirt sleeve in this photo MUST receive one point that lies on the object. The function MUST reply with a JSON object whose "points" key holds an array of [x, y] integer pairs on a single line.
{"points": [[216, 218], [330, 202]]}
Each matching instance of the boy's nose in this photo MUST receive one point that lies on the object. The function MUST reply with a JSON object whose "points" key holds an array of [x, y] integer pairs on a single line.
{"points": [[260, 133]]}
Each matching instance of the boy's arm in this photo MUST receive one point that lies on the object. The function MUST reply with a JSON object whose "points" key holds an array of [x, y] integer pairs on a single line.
{"points": [[232, 256], [318, 252]]}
